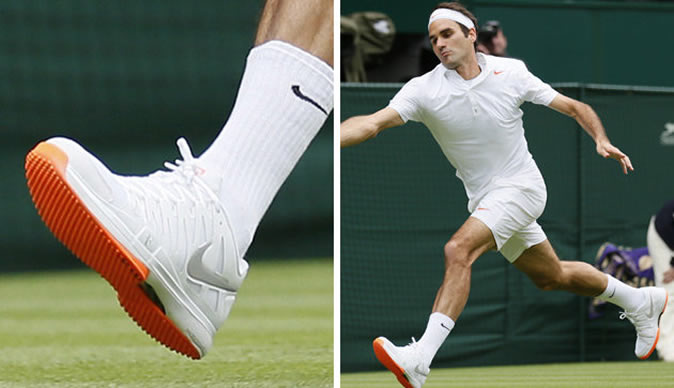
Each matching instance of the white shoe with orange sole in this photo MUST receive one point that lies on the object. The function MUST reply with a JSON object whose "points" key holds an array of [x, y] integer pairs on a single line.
{"points": [[405, 362], [163, 241], [646, 320]]}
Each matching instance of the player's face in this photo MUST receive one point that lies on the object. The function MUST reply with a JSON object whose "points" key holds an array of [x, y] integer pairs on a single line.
{"points": [[449, 44]]}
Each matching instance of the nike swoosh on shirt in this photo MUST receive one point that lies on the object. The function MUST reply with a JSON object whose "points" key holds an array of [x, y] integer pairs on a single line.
{"points": [[302, 96], [197, 270], [498, 72]]}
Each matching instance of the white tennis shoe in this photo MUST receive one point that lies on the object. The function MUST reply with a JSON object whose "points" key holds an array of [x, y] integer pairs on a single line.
{"points": [[163, 241], [406, 362], [646, 320]]}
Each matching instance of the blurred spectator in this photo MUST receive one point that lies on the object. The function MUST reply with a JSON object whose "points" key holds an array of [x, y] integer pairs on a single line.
{"points": [[660, 240], [491, 39]]}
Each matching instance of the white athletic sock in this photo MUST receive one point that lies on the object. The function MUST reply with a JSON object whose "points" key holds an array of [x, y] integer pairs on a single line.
{"points": [[284, 98], [619, 293], [437, 330]]}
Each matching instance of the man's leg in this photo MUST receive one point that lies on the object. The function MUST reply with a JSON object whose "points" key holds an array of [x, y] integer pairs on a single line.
{"points": [[643, 306], [411, 363], [172, 243], [541, 264], [305, 24], [285, 96], [468, 243]]}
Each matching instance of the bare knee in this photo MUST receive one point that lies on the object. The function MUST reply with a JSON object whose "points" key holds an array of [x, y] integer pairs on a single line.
{"points": [[457, 254], [549, 281]]}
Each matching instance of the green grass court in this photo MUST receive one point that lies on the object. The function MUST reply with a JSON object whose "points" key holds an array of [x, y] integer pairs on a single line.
{"points": [[66, 329], [582, 375]]}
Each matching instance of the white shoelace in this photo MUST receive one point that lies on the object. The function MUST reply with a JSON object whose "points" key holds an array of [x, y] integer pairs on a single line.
{"points": [[414, 346], [633, 318], [187, 167], [176, 184]]}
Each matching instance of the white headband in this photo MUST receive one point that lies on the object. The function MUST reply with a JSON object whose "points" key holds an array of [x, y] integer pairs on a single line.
{"points": [[446, 13]]}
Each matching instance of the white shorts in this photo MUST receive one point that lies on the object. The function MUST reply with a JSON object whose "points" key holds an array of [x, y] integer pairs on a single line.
{"points": [[511, 213]]}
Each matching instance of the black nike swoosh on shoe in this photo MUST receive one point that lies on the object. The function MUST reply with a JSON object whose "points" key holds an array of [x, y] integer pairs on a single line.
{"points": [[302, 96]]}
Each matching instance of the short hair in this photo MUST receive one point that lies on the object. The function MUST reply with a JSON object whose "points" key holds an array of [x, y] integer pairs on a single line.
{"points": [[456, 6]]}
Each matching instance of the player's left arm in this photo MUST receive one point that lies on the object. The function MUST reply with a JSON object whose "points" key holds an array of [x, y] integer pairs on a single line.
{"points": [[588, 119]]}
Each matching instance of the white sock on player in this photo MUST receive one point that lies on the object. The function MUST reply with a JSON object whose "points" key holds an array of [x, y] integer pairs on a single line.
{"points": [[283, 100], [437, 330], [619, 293]]}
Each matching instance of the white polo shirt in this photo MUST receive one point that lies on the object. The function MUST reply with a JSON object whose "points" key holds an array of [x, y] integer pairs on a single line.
{"points": [[478, 122]]}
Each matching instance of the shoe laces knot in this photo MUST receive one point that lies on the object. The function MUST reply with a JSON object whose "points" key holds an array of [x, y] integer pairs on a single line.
{"points": [[636, 319], [186, 168], [178, 183], [414, 345]]}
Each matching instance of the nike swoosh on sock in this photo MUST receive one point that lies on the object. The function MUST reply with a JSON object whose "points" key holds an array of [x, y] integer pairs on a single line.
{"points": [[302, 96]]}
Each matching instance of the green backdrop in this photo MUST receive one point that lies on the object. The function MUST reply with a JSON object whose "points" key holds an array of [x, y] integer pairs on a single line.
{"points": [[400, 203], [126, 79], [614, 42]]}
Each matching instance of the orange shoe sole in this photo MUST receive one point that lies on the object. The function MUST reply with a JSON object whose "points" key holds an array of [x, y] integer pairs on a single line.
{"points": [[387, 361], [657, 336], [74, 225]]}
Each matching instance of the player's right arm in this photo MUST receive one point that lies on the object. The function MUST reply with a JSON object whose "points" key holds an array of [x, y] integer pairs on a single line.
{"points": [[357, 129]]}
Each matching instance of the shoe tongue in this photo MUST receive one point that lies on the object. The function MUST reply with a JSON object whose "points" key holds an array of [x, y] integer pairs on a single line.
{"points": [[210, 175]]}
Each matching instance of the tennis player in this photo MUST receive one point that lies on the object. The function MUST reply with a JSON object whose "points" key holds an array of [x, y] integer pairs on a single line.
{"points": [[471, 104]]}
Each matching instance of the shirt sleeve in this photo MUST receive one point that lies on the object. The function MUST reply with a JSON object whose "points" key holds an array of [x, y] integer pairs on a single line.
{"points": [[534, 90], [406, 101]]}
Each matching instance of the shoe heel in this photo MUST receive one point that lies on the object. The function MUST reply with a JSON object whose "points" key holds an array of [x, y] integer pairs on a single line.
{"points": [[155, 322]]}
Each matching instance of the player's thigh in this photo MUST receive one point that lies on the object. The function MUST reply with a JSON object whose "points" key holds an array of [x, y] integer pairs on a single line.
{"points": [[522, 240], [539, 262]]}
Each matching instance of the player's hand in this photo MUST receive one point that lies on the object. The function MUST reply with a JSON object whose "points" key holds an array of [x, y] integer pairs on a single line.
{"points": [[608, 150]]}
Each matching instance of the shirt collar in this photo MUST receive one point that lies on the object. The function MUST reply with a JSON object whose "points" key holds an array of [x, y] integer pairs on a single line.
{"points": [[484, 68]]}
